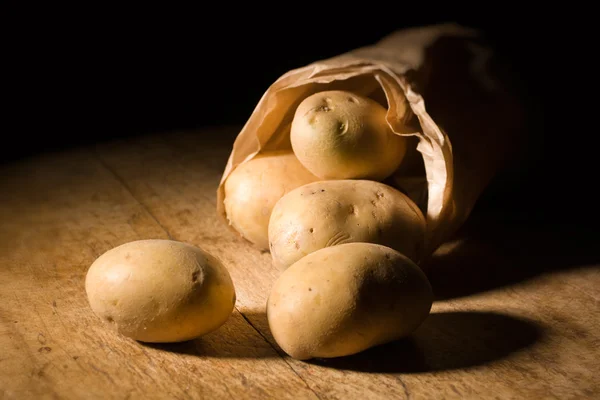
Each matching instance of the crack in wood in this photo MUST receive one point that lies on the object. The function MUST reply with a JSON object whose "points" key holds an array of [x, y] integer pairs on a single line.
{"points": [[278, 353], [128, 189]]}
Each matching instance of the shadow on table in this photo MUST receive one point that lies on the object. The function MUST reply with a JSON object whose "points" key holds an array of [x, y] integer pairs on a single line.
{"points": [[234, 339], [495, 250], [532, 216], [445, 341]]}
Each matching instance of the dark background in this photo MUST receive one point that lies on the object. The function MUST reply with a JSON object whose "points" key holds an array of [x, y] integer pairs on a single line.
{"points": [[80, 76]]}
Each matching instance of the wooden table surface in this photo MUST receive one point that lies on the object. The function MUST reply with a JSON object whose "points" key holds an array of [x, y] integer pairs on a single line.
{"points": [[516, 315]]}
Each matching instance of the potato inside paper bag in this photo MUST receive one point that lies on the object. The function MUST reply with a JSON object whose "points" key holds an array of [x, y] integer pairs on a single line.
{"points": [[442, 90]]}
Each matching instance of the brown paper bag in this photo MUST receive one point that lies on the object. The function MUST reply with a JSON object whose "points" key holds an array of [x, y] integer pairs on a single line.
{"points": [[442, 90]]}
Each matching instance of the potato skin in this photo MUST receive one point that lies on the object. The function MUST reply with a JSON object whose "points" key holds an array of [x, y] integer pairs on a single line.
{"points": [[344, 299], [329, 213], [160, 290], [254, 187], [340, 135]]}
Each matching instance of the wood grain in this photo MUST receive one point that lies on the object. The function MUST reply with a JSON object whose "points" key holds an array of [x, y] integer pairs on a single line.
{"points": [[62, 213], [527, 327]]}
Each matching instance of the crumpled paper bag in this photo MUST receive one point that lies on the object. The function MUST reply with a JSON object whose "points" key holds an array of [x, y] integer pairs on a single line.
{"points": [[443, 90]]}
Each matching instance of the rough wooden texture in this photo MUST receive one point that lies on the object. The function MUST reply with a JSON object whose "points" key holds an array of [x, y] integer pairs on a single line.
{"points": [[516, 316]]}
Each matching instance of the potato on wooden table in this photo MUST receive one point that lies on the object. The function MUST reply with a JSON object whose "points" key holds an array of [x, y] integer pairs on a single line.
{"points": [[160, 290], [345, 299]]}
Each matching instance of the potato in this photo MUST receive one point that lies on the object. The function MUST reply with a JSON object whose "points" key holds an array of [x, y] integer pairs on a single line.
{"points": [[340, 135], [328, 213], [160, 290], [254, 187], [344, 299]]}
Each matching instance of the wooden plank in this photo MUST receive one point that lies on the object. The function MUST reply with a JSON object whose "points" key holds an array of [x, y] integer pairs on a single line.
{"points": [[57, 214], [533, 339], [527, 327]]}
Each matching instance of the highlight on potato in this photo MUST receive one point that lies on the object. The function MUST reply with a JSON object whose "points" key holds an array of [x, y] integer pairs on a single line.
{"points": [[160, 290]]}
